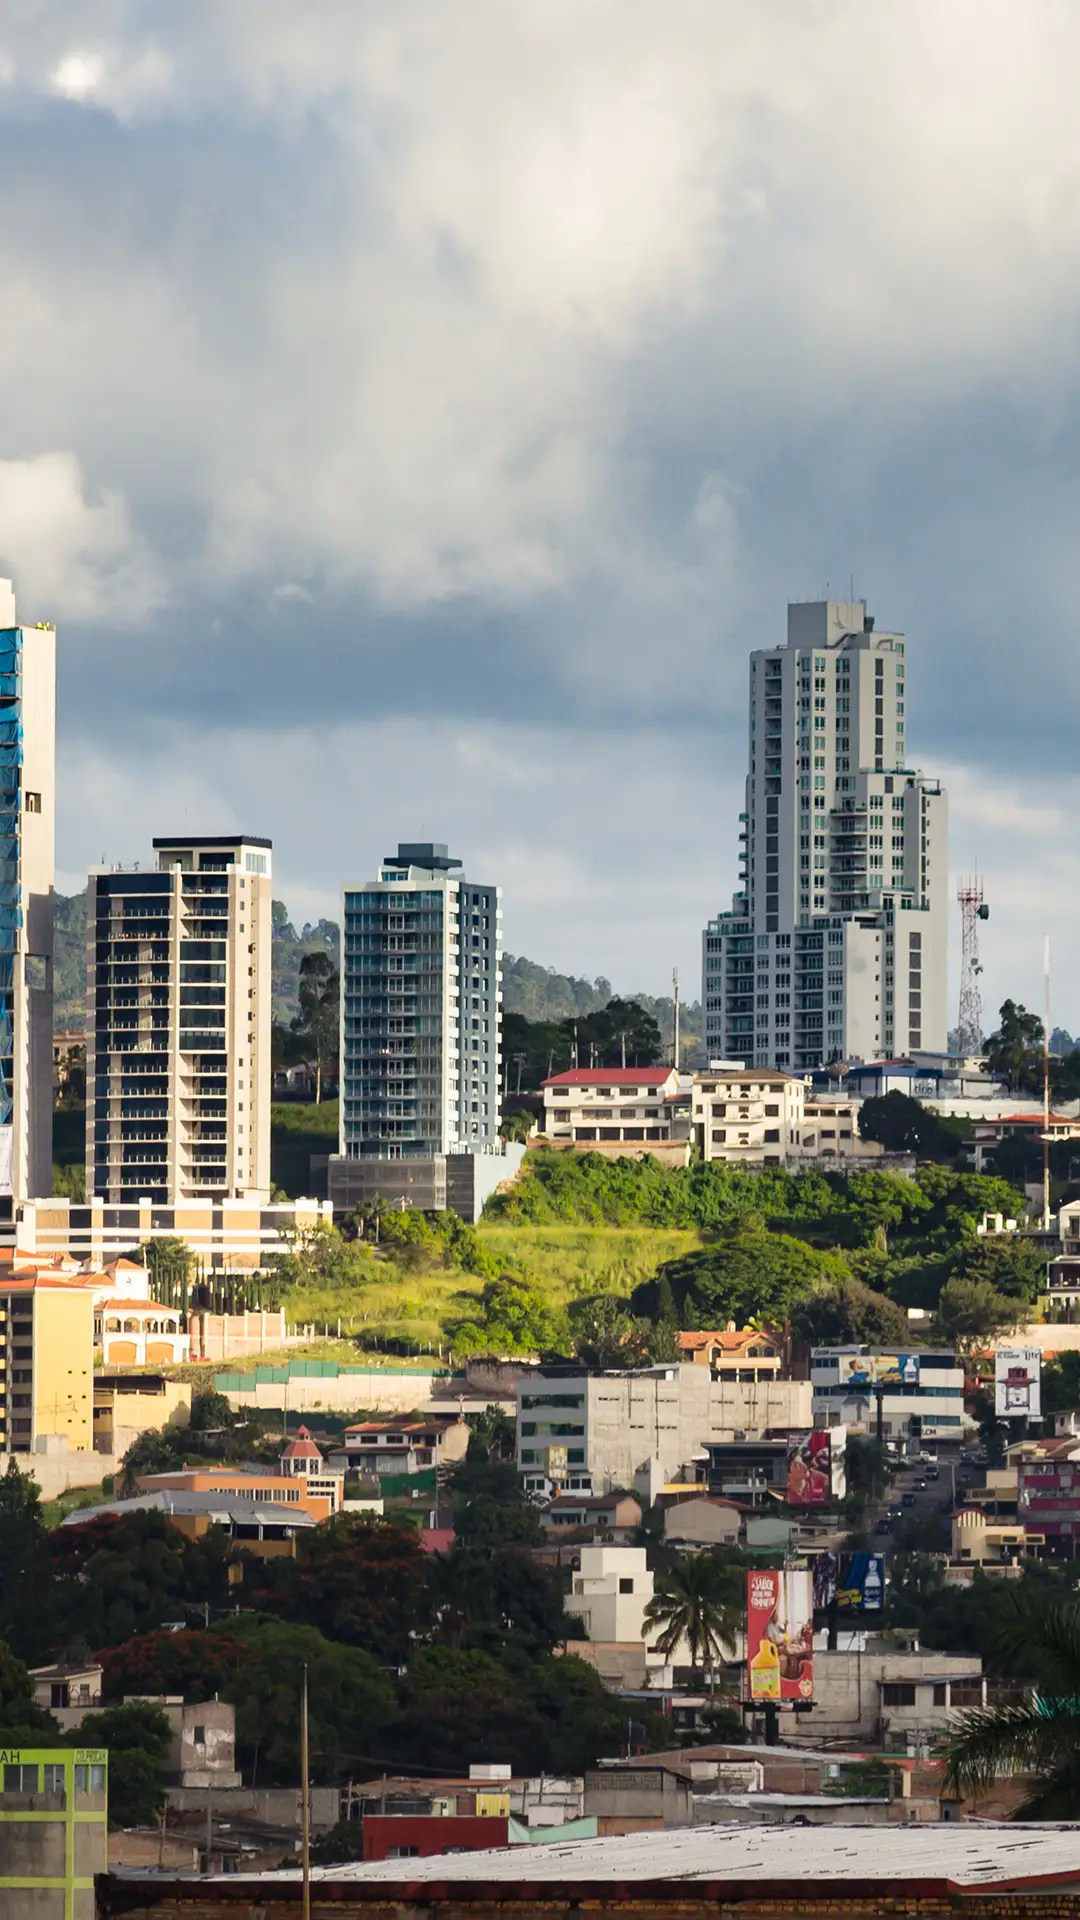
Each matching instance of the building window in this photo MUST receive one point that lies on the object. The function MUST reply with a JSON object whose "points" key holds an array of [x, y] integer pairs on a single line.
{"points": [[898, 1693], [626, 1585], [31, 802]]}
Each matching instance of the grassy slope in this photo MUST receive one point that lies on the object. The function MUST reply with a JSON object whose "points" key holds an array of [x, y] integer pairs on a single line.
{"points": [[565, 1261]]}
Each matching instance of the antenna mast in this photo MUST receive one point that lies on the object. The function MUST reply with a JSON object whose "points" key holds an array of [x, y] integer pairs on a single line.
{"points": [[972, 909], [675, 1011]]}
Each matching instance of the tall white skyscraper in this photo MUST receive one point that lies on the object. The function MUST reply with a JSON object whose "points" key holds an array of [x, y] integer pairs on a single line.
{"points": [[27, 872], [835, 948]]}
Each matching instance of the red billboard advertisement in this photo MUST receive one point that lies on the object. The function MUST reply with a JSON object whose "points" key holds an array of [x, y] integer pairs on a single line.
{"points": [[779, 1635], [809, 1470]]}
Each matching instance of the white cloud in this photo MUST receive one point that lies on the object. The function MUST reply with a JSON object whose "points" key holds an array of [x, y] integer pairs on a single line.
{"points": [[71, 555]]}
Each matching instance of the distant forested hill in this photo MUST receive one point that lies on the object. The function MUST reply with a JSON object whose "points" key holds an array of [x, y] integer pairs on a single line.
{"points": [[538, 993], [289, 948]]}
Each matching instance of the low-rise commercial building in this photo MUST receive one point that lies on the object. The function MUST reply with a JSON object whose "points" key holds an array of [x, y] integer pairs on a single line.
{"points": [[983, 1542], [604, 1427], [883, 1694], [920, 1393], [252, 1526], [318, 1495], [53, 1831], [235, 1236], [1048, 1494], [127, 1404]]}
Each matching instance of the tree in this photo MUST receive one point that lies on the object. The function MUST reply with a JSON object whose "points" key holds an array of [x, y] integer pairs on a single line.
{"points": [[903, 1125], [517, 1125], [514, 1317], [1015, 1051], [605, 1334], [25, 1572], [849, 1312], [196, 1665], [358, 1579], [322, 1257], [698, 1603], [1041, 1735], [970, 1314], [493, 1435], [19, 1711], [318, 1021], [748, 1272], [1007, 1263], [170, 1263], [350, 1703], [136, 1737], [127, 1573], [490, 1509], [209, 1412]]}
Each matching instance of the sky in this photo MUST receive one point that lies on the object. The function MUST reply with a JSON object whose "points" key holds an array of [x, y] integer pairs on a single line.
{"points": [[412, 416]]}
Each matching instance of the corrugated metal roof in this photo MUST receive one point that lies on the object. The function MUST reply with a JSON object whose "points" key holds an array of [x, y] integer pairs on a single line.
{"points": [[966, 1853]]}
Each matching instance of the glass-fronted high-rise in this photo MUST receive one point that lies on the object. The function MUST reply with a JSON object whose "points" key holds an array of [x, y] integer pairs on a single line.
{"points": [[421, 979], [27, 834]]}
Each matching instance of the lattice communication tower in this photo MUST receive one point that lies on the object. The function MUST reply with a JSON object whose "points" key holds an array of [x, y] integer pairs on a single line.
{"points": [[973, 908]]}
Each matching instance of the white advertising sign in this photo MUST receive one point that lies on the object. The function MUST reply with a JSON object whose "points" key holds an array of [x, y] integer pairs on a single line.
{"points": [[1017, 1380]]}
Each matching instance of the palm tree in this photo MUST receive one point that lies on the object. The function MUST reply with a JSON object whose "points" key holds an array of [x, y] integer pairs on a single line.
{"points": [[1039, 1634], [699, 1601]]}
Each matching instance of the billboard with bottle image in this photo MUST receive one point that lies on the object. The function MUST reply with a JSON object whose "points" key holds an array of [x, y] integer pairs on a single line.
{"points": [[779, 1635]]}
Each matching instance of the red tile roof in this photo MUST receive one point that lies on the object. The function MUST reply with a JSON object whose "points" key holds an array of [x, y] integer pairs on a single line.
{"points": [[733, 1340], [611, 1077]]}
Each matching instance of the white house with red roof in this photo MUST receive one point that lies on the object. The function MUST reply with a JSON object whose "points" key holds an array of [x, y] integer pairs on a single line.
{"points": [[605, 1107]]}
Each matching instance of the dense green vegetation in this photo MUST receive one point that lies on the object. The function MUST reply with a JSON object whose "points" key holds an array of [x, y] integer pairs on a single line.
{"points": [[412, 1658]]}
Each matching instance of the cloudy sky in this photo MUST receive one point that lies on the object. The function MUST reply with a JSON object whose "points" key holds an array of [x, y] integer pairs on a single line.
{"points": [[411, 415]]}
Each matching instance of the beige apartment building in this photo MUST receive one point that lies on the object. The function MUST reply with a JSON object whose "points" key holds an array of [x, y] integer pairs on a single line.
{"points": [[763, 1117], [178, 1033]]}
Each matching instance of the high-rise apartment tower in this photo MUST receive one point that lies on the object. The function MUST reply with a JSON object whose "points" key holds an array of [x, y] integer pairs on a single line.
{"points": [[421, 978], [178, 1033], [27, 840], [835, 948]]}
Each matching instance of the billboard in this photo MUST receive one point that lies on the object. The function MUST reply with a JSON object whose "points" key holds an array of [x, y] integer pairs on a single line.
{"points": [[1017, 1382], [779, 1636], [885, 1369], [853, 1583], [809, 1470]]}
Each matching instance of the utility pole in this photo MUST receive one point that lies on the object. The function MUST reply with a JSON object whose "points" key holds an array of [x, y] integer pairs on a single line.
{"points": [[1046, 1085], [675, 997], [305, 1798]]}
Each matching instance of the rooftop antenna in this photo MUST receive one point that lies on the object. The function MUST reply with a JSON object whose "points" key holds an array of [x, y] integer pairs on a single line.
{"points": [[973, 908], [675, 994]]}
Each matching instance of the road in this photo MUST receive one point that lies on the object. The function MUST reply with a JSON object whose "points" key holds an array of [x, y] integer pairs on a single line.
{"points": [[927, 1503]]}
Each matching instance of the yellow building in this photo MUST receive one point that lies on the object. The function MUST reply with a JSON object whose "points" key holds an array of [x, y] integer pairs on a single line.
{"points": [[46, 1361]]}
